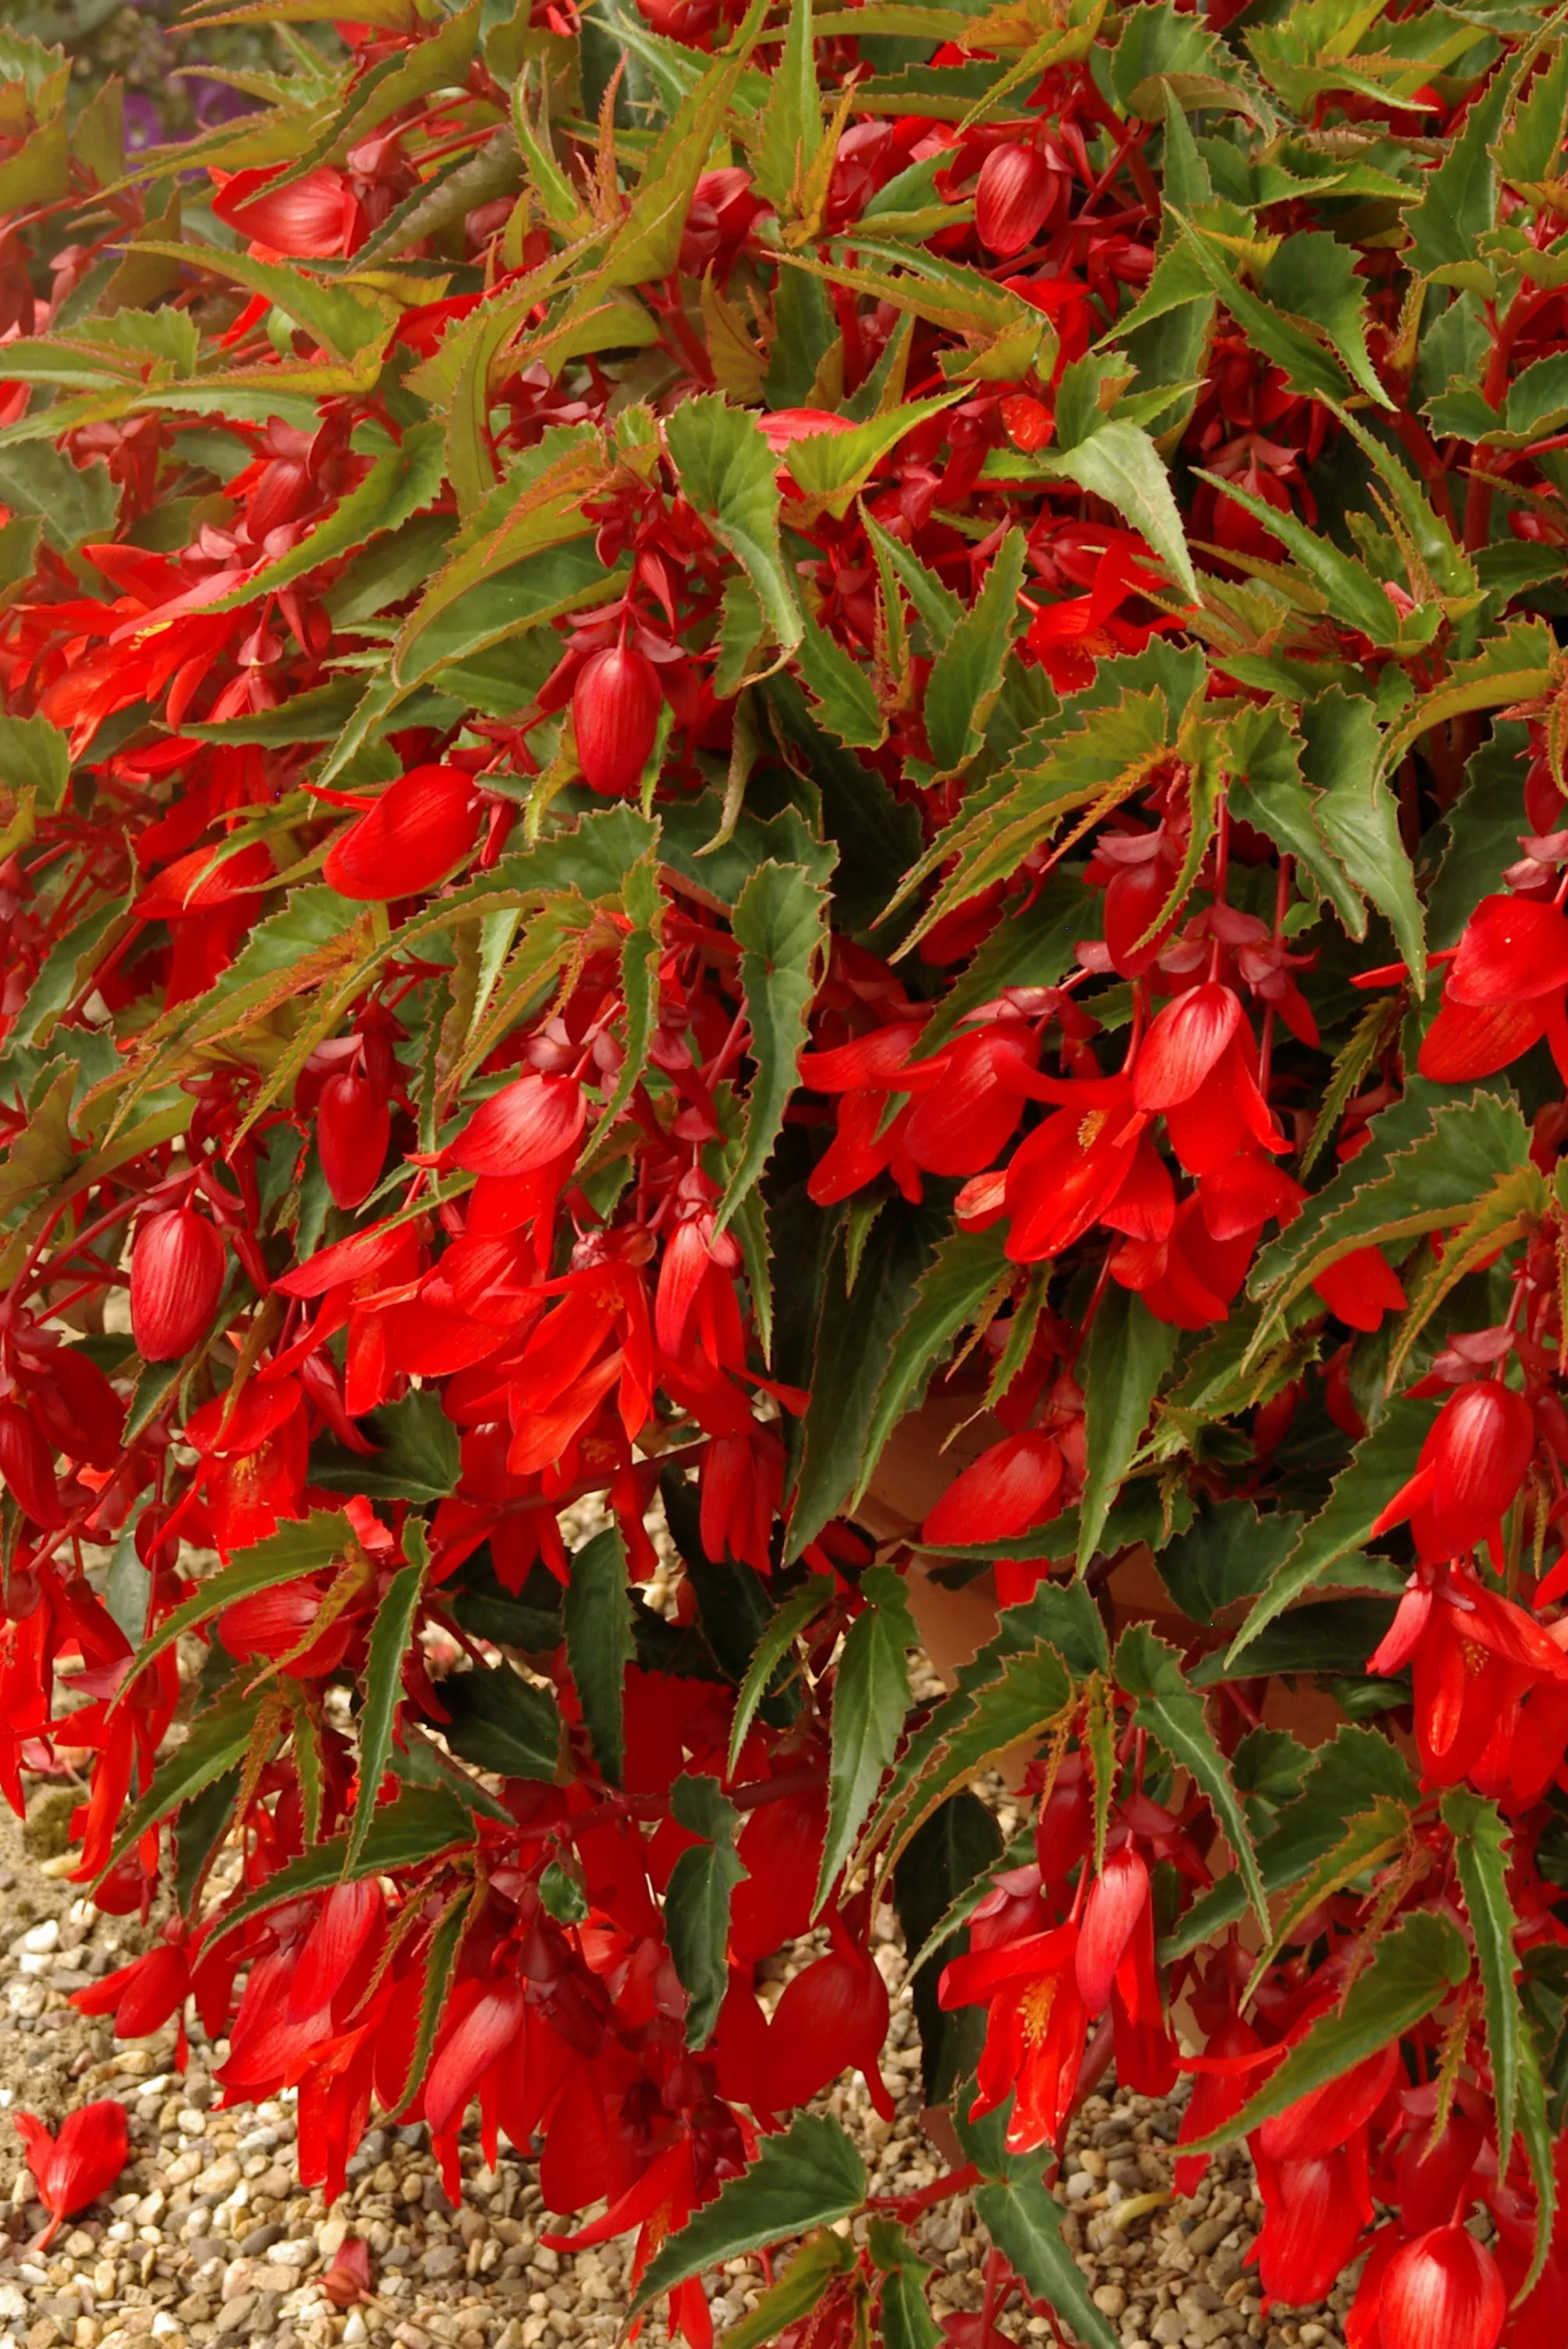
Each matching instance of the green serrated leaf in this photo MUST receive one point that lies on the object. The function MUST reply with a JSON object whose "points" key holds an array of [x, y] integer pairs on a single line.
{"points": [[1130, 1354], [808, 2176], [597, 1616], [779, 922], [697, 1899], [870, 1697], [389, 1637], [1172, 1713], [1411, 1970]]}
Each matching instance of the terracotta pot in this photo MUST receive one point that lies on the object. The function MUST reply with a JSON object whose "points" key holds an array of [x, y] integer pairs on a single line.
{"points": [[924, 1452]]}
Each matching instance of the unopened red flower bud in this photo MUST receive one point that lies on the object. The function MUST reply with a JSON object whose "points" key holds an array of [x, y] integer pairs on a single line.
{"points": [[1471, 1467], [1117, 1899], [27, 1468], [177, 1269], [1442, 2292], [1012, 198], [616, 715], [353, 1121], [423, 824]]}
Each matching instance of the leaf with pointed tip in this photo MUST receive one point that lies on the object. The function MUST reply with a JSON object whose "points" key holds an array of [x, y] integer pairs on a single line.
{"points": [[697, 1899], [808, 2176], [1411, 1970], [1172, 1713], [780, 923], [1482, 1851], [596, 1613], [870, 1697], [1130, 1354]]}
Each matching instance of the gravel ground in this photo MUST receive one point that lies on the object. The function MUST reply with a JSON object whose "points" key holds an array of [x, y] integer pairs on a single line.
{"points": [[209, 2238]]}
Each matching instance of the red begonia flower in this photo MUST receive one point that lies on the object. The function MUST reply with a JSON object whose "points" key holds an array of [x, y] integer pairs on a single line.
{"points": [[82, 2162]]}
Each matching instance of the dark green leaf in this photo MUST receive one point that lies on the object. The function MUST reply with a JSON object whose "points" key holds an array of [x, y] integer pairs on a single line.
{"points": [[502, 1722], [1130, 1354], [389, 1637], [698, 1898], [417, 1456], [780, 924], [965, 1269], [966, 674], [783, 1629], [600, 1644], [1172, 1713], [317, 1541], [1482, 1849], [951, 1853], [820, 2257], [870, 1697], [1358, 815], [214, 1744], [854, 1334], [1120, 463], [806, 2178], [1411, 1970], [728, 472], [1227, 1553], [904, 2311]]}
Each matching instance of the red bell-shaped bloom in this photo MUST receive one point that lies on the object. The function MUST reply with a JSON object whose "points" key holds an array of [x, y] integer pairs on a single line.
{"points": [[1441, 2291], [832, 2018], [1474, 1654], [527, 1125], [176, 1268], [1117, 1899], [1470, 1469], [27, 1468], [1012, 198], [423, 824], [1312, 2219], [353, 1122], [83, 2162], [1184, 1043], [1360, 1287], [1514, 950], [614, 716], [1012, 1486], [312, 218], [142, 1996], [1035, 2029], [1505, 989]]}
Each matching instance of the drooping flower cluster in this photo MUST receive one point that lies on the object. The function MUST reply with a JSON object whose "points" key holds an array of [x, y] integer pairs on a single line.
{"points": [[709, 761]]}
